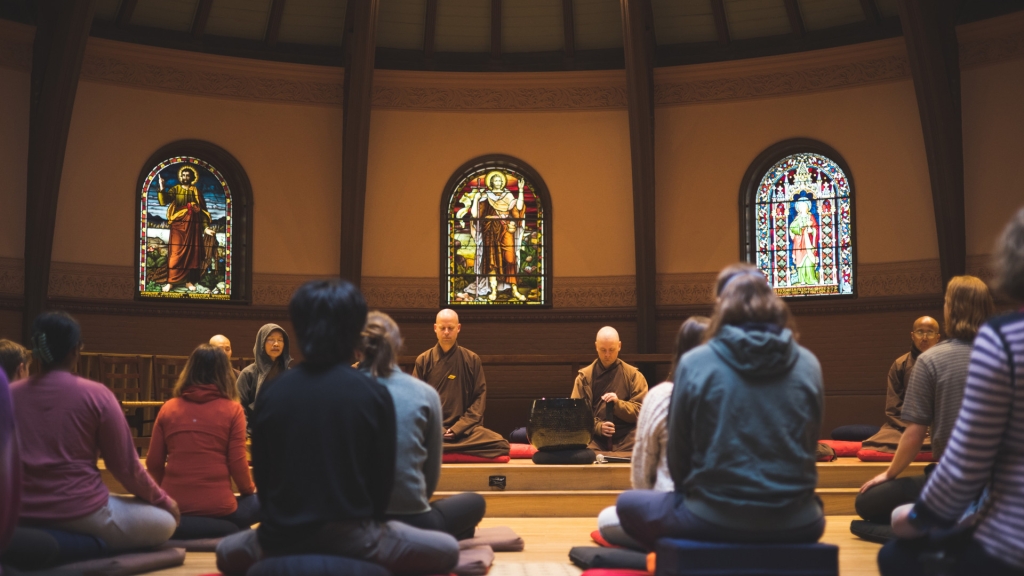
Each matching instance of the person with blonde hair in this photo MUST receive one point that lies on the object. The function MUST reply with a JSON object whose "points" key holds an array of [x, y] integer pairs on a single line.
{"points": [[743, 427], [198, 445], [933, 397]]}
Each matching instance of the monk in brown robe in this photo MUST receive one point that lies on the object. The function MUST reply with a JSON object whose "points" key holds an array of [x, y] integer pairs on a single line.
{"points": [[458, 376], [924, 335], [611, 382]]}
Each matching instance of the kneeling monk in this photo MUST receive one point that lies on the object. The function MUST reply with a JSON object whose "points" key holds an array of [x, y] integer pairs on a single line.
{"points": [[458, 376], [610, 382]]}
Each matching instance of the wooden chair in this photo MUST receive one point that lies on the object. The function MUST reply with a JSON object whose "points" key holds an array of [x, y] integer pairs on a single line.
{"points": [[166, 370], [124, 375]]}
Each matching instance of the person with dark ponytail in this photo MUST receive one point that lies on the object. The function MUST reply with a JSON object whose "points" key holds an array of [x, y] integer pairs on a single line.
{"points": [[419, 445], [65, 421]]}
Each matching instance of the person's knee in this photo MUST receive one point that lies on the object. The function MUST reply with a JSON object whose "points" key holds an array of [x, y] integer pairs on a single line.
{"points": [[875, 505], [160, 525], [607, 518], [238, 552]]}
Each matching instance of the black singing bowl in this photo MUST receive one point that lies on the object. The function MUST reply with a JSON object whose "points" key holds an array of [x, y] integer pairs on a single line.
{"points": [[560, 424]]}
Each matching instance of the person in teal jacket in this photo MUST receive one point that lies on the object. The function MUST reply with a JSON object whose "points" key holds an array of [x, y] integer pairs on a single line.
{"points": [[743, 427]]}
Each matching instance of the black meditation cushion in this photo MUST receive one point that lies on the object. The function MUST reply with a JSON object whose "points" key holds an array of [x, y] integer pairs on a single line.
{"points": [[519, 436], [578, 456], [696, 558], [315, 565], [587, 557], [855, 432], [198, 527], [872, 531], [39, 548]]}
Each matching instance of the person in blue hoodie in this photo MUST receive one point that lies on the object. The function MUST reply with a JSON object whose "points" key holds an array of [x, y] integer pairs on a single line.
{"points": [[743, 427]]}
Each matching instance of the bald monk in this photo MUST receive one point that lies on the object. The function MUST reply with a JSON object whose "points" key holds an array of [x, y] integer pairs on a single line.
{"points": [[611, 382], [458, 376], [221, 341], [923, 336]]}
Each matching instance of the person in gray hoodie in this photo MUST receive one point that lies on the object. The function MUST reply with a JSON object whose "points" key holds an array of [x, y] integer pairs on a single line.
{"points": [[272, 358], [743, 426]]}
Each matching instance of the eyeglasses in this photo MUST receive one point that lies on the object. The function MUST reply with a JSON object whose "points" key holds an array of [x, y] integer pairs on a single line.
{"points": [[926, 334], [272, 341]]}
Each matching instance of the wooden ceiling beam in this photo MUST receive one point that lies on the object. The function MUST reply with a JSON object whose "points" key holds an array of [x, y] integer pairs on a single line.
{"points": [[721, 24], [796, 22], [569, 28], [62, 29], [871, 13], [495, 30], [929, 28], [429, 30], [361, 25], [274, 23], [124, 12], [201, 18], [638, 43]]}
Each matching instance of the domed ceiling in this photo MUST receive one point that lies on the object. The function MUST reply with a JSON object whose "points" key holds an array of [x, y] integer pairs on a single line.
{"points": [[508, 34]]}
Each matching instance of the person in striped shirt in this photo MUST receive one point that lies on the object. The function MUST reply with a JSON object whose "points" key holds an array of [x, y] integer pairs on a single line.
{"points": [[985, 450]]}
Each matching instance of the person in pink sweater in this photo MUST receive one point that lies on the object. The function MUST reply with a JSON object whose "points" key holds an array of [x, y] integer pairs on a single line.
{"points": [[198, 444], [63, 422]]}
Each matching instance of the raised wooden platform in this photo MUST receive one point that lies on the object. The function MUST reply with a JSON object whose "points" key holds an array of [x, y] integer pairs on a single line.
{"points": [[533, 491]]}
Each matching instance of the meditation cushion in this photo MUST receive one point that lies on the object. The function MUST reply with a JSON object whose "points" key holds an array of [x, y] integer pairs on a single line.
{"points": [[39, 548], [475, 561], [521, 451], [199, 527], [693, 558], [872, 531], [844, 449], [499, 538], [129, 564], [196, 545], [519, 436], [587, 557], [580, 456], [855, 432], [865, 455], [456, 458], [596, 537], [315, 565]]}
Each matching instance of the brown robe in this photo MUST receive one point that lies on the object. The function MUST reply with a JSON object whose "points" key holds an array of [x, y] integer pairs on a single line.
{"points": [[629, 385], [888, 438], [458, 377]]}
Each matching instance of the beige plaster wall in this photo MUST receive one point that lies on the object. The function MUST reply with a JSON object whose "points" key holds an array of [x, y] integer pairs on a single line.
{"points": [[14, 112], [291, 153], [583, 158], [703, 151]]}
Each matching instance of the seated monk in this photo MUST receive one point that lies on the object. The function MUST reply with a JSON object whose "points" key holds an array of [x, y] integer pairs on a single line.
{"points": [[609, 381], [458, 376], [924, 335]]}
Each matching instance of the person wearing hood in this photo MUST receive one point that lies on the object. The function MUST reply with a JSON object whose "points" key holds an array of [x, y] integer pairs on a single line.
{"points": [[272, 358], [744, 419], [198, 445]]}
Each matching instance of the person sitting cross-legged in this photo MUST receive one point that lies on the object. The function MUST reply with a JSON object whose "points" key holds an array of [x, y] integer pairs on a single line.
{"points": [[323, 453], [198, 444], [743, 428], [419, 448]]}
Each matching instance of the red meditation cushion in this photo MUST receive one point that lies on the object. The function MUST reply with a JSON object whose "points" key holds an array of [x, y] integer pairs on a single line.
{"points": [[866, 455], [521, 451], [843, 449], [596, 537], [454, 458]]}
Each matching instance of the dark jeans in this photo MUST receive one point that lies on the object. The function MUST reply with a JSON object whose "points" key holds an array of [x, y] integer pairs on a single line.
{"points": [[648, 515], [903, 558], [877, 504], [248, 512], [457, 515]]}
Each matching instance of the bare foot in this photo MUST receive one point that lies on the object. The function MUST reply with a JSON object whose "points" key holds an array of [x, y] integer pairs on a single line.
{"points": [[166, 288]]}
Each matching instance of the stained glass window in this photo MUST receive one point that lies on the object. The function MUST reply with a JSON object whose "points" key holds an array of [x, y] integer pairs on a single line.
{"points": [[496, 236], [185, 231], [803, 219]]}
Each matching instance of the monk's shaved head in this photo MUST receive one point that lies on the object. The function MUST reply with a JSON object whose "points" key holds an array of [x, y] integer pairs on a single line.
{"points": [[925, 322], [446, 327], [608, 345], [925, 333], [447, 314], [221, 341]]}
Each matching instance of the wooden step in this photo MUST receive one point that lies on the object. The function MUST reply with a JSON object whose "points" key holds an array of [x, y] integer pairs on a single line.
{"points": [[519, 477]]}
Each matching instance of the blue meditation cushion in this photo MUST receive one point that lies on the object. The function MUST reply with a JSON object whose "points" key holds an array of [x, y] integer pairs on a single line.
{"points": [[39, 548], [855, 432], [518, 436], [315, 565], [693, 558]]}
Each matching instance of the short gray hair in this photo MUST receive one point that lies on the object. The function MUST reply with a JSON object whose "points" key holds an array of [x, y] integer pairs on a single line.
{"points": [[1009, 259]]}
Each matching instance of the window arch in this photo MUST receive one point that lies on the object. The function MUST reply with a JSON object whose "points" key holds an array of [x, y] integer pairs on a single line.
{"points": [[193, 215], [495, 251], [796, 221]]}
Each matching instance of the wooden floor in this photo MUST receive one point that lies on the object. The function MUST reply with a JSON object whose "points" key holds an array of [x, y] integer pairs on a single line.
{"points": [[548, 541]]}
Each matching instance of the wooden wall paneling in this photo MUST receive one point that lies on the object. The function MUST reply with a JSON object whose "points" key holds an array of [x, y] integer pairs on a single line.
{"points": [[930, 31], [358, 94], [495, 30], [274, 23], [638, 37], [201, 18], [429, 32], [569, 28], [61, 33], [796, 22], [721, 23]]}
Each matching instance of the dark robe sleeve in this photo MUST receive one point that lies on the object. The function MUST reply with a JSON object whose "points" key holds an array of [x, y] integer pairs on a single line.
{"points": [[419, 368], [385, 439], [628, 409], [247, 395], [474, 414], [581, 390]]}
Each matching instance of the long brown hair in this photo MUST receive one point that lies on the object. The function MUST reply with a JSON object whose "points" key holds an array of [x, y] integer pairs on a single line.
{"points": [[744, 296], [690, 335], [379, 343], [208, 365], [968, 305]]}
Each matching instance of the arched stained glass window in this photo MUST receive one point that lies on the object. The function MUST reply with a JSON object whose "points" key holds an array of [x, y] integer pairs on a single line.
{"points": [[799, 220], [496, 243], [190, 227]]}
